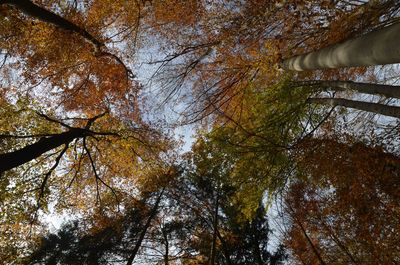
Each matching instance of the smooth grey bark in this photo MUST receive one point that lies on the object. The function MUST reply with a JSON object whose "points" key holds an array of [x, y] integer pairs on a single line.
{"points": [[31, 9], [16, 158], [377, 108], [366, 88], [378, 47], [138, 244]]}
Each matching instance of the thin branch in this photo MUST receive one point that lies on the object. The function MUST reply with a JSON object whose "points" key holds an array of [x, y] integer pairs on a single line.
{"points": [[97, 176]]}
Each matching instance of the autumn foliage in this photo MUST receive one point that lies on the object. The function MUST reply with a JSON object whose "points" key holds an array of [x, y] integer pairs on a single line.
{"points": [[93, 93], [345, 204]]}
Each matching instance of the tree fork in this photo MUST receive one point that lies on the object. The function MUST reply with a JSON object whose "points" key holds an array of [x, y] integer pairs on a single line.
{"points": [[16, 158]]}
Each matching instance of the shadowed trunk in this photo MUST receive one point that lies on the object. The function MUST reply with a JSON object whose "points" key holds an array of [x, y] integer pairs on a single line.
{"points": [[256, 245], [33, 10], [215, 227], [16, 158], [366, 88], [144, 230], [304, 232], [377, 108], [224, 248], [166, 254], [378, 47]]}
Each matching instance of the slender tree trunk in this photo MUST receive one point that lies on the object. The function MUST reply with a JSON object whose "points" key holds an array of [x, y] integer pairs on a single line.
{"points": [[339, 243], [144, 230], [31, 9], [215, 227], [224, 248], [166, 254], [378, 47], [256, 245], [303, 230], [377, 108], [366, 88], [16, 158]]}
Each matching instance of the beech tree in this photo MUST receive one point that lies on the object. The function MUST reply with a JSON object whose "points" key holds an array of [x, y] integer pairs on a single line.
{"points": [[197, 223], [81, 131], [365, 88], [375, 48], [121, 237], [209, 211], [377, 108], [341, 203], [78, 164]]}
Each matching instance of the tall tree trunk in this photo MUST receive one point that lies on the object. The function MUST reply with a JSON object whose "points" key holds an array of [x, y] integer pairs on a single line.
{"points": [[144, 230], [224, 248], [377, 108], [256, 245], [215, 227], [366, 88], [166, 254], [378, 47], [338, 242], [303, 230], [31, 9], [45, 144]]}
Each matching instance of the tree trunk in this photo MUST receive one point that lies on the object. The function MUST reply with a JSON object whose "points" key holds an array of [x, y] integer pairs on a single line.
{"points": [[256, 245], [166, 254], [377, 108], [215, 227], [303, 230], [224, 248], [16, 158], [33, 10], [378, 47], [144, 230], [366, 88]]}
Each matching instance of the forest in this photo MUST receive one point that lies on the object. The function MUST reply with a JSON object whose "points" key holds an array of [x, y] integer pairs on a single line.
{"points": [[215, 132]]}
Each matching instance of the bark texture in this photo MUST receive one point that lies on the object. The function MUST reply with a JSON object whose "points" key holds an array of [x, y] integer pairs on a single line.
{"points": [[16, 158], [366, 88], [33, 10], [377, 108], [378, 47]]}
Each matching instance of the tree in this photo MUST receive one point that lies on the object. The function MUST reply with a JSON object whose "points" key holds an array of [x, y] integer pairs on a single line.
{"points": [[37, 37], [375, 48], [119, 238], [314, 88], [238, 40], [97, 162], [340, 203], [198, 223], [78, 132], [16, 158], [365, 88], [377, 108]]}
